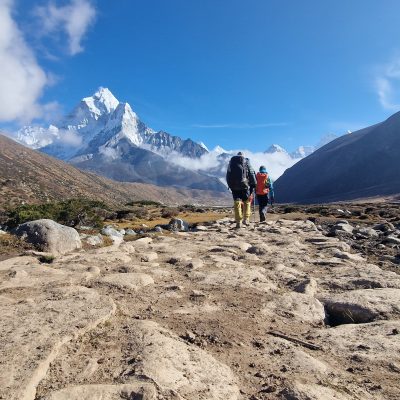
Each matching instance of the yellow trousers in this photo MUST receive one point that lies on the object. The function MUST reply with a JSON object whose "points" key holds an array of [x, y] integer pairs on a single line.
{"points": [[239, 211]]}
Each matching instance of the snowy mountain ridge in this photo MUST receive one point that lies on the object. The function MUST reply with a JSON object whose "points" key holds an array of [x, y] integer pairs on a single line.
{"points": [[101, 127], [101, 120]]}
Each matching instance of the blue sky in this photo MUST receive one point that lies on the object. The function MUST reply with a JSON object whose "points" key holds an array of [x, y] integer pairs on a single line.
{"points": [[241, 74]]}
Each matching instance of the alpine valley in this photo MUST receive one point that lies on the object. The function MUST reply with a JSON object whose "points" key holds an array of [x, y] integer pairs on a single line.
{"points": [[105, 136]]}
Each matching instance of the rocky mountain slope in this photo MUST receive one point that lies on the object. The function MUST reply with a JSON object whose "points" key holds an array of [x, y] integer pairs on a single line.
{"points": [[358, 165], [214, 314], [32, 177]]}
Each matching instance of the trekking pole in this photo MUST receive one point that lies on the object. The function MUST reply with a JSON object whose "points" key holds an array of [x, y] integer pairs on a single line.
{"points": [[254, 208]]}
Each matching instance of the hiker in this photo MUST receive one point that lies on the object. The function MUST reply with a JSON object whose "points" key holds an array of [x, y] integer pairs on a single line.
{"points": [[264, 192], [241, 180]]}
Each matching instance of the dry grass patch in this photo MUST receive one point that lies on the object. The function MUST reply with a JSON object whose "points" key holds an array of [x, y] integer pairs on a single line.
{"points": [[13, 245], [190, 217]]}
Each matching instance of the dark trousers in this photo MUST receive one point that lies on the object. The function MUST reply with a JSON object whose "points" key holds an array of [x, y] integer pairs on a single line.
{"points": [[243, 195], [262, 206]]}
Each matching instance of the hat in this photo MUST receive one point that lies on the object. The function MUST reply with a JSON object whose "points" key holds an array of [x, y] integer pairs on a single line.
{"points": [[263, 169]]}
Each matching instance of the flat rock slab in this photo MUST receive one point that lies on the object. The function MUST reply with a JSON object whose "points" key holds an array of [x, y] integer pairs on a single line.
{"points": [[175, 366], [33, 329], [142, 391], [298, 306], [238, 276], [130, 281], [307, 391], [375, 343], [360, 306]]}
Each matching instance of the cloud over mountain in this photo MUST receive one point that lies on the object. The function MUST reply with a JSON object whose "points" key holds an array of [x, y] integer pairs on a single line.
{"points": [[22, 80]]}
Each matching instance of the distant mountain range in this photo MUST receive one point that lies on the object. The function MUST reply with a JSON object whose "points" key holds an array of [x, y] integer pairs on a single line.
{"points": [[362, 164], [105, 136]]}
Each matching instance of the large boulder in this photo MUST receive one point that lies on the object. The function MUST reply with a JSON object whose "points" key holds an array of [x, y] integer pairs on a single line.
{"points": [[49, 236]]}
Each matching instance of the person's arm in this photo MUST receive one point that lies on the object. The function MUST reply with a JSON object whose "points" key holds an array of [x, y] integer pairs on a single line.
{"points": [[228, 175], [252, 176]]}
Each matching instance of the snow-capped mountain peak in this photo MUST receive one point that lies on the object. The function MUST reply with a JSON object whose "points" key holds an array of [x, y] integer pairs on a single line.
{"points": [[203, 146], [102, 102], [126, 121], [302, 151], [219, 150], [275, 148]]}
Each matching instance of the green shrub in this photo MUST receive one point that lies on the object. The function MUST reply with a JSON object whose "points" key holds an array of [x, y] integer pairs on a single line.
{"points": [[47, 259], [143, 203], [71, 212]]}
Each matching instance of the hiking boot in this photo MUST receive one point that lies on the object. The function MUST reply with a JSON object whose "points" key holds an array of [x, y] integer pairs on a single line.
{"points": [[246, 222], [238, 225]]}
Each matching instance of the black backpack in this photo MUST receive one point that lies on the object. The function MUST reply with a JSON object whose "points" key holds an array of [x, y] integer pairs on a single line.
{"points": [[237, 176]]}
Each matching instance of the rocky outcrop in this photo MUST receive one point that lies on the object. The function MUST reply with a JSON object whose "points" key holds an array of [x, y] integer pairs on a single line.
{"points": [[273, 311]]}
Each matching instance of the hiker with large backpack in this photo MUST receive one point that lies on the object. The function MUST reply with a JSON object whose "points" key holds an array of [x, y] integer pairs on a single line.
{"points": [[241, 180], [264, 192]]}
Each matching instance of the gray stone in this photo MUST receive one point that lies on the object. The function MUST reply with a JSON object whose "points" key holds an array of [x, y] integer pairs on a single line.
{"points": [[158, 229], [95, 240], [342, 228], [47, 235], [177, 224], [392, 240], [368, 232], [130, 232], [108, 231], [385, 227], [361, 306]]}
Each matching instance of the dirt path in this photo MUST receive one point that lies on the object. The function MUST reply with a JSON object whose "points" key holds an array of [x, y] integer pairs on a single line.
{"points": [[276, 311]]}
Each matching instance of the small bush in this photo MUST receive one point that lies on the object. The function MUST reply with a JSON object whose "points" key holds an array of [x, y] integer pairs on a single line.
{"points": [[169, 212], [47, 259], [72, 212], [140, 213]]}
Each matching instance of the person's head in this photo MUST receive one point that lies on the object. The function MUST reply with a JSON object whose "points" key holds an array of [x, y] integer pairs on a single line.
{"points": [[240, 154], [263, 170]]}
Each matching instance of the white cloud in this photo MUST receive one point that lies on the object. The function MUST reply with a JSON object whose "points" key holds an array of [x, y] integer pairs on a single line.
{"points": [[275, 163], [109, 152], [69, 138], [387, 86], [73, 18], [22, 80]]}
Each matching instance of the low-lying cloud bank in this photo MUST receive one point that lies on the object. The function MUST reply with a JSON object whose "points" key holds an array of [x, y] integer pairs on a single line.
{"points": [[217, 163]]}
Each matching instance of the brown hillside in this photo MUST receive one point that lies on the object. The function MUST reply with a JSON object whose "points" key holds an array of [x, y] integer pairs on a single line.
{"points": [[32, 177]]}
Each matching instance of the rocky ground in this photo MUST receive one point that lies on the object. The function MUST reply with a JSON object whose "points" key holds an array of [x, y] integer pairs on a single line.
{"points": [[290, 309]]}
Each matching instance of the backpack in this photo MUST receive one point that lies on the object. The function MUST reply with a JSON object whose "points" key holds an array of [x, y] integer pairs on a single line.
{"points": [[262, 187], [237, 175]]}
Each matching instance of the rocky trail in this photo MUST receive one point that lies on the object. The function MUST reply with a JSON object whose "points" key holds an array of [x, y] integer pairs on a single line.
{"points": [[275, 311]]}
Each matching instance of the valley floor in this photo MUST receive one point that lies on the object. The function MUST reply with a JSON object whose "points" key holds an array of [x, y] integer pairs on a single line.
{"points": [[275, 311]]}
